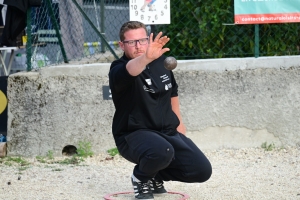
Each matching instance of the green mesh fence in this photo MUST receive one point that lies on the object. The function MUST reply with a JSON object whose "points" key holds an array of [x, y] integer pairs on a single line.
{"points": [[86, 31], [68, 31], [205, 29]]}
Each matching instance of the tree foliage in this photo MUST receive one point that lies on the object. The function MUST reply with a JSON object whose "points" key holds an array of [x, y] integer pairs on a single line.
{"points": [[205, 29]]}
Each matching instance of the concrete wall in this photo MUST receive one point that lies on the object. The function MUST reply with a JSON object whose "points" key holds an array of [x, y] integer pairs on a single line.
{"points": [[231, 103]]}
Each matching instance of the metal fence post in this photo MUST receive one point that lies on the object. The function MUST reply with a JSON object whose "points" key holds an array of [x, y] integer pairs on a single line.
{"points": [[95, 29], [54, 22], [153, 30], [29, 41], [256, 43], [102, 25]]}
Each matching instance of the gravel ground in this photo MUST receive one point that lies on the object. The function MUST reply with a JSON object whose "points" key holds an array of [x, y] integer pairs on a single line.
{"points": [[237, 174]]}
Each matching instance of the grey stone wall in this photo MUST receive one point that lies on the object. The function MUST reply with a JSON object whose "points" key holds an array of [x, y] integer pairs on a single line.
{"points": [[230, 103], [56, 107]]}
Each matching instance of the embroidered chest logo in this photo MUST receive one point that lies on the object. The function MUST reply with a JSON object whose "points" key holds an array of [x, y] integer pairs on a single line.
{"points": [[164, 79], [148, 89], [168, 86], [148, 81]]}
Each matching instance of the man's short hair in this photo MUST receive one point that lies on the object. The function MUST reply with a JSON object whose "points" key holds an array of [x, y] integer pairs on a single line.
{"points": [[130, 26]]}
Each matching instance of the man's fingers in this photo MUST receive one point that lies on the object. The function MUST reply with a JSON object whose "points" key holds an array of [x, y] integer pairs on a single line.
{"points": [[157, 44], [158, 37], [165, 40], [164, 50], [151, 38]]}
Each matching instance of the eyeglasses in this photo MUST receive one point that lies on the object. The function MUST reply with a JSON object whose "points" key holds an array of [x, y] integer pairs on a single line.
{"points": [[133, 43]]}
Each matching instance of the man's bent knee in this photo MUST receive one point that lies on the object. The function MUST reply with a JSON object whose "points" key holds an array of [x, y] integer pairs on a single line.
{"points": [[199, 175], [156, 161]]}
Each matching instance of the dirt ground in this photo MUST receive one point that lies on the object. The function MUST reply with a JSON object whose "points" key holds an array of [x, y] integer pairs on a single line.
{"points": [[237, 174]]}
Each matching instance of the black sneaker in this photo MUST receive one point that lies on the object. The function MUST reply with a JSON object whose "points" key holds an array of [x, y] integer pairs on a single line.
{"points": [[157, 186], [142, 190]]}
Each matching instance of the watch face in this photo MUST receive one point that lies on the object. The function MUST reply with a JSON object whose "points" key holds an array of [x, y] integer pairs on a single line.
{"points": [[150, 11]]}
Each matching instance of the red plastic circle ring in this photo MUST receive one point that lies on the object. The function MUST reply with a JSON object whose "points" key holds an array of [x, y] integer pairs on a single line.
{"points": [[108, 196]]}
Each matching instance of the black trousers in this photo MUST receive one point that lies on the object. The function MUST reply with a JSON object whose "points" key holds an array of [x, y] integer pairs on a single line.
{"points": [[168, 158]]}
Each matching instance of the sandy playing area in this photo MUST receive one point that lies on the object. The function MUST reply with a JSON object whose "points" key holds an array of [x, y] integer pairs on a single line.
{"points": [[237, 174]]}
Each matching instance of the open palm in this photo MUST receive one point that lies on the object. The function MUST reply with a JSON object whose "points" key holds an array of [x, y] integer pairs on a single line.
{"points": [[155, 48]]}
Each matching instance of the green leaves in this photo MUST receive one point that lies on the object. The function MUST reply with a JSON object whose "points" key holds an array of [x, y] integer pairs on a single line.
{"points": [[197, 31], [113, 151], [85, 149]]}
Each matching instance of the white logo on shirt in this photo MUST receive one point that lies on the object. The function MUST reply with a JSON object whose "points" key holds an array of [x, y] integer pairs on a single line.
{"points": [[148, 89], [148, 81], [164, 78], [168, 86]]}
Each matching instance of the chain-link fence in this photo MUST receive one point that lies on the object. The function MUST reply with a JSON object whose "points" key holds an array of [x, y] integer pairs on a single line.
{"points": [[67, 31], [206, 29], [87, 31]]}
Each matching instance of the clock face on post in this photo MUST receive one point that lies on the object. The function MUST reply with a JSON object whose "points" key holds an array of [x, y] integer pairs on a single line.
{"points": [[150, 11]]}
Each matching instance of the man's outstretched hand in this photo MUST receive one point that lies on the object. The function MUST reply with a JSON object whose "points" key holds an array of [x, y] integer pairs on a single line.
{"points": [[155, 48]]}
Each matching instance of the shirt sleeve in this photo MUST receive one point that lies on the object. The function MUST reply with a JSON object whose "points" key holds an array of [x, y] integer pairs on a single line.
{"points": [[174, 86]]}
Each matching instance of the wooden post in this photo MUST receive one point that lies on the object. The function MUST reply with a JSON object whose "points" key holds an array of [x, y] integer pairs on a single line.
{"points": [[2, 149]]}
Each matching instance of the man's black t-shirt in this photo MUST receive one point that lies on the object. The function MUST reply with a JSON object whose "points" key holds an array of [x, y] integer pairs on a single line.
{"points": [[143, 101]]}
